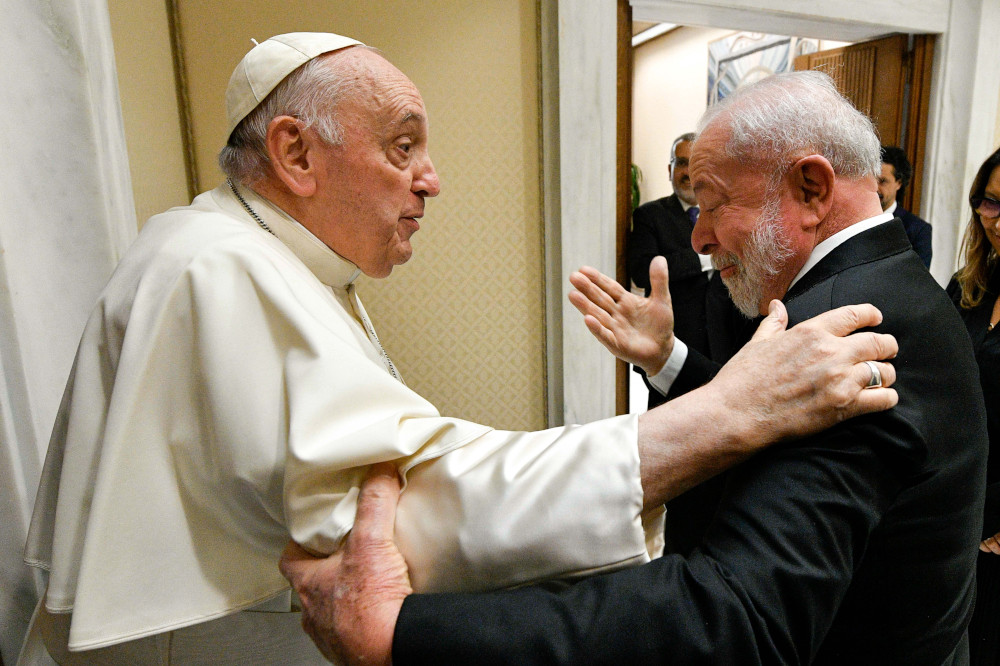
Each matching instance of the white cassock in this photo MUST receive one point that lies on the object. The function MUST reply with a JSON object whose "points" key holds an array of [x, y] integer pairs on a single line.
{"points": [[226, 394]]}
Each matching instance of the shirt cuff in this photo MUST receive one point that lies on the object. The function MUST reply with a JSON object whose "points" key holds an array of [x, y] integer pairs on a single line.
{"points": [[664, 379]]}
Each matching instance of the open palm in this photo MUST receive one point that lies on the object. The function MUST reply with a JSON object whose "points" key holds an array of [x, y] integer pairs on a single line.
{"points": [[637, 330]]}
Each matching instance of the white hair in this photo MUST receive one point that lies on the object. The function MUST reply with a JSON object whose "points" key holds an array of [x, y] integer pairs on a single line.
{"points": [[785, 114], [311, 93]]}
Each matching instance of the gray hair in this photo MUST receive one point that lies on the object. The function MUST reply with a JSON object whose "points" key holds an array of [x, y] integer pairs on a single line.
{"points": [[687, 136], [786, 114], [311, 93]]}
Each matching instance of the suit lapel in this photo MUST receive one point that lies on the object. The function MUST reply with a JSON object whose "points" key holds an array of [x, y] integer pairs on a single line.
{"points": [[876, 243]]}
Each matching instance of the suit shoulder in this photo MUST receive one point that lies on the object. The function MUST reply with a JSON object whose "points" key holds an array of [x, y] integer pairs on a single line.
{"points": [[911, 219], [655, 206]]}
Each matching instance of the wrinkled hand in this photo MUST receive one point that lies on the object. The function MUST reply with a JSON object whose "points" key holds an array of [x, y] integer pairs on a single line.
{"points": [[991, 544], [637, 330], [812, 376], [351, 600]]}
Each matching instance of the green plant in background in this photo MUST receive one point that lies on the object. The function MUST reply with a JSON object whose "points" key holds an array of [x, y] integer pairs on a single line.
{"points": [[636, 178]]}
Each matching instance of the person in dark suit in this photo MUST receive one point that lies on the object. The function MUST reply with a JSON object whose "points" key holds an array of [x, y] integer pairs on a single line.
{"points": [[853, 546], [892, 182]]}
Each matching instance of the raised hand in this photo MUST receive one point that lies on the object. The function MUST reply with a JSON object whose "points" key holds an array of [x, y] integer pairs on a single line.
{"points": [[637, 330]]}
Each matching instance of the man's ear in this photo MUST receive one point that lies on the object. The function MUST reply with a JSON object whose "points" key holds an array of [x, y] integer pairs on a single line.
{"points": [[292, 155], [813, 181]]}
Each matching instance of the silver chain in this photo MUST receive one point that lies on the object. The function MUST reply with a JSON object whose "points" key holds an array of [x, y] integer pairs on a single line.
{"points": [[385, 356], [364, 320], [248, 209]]}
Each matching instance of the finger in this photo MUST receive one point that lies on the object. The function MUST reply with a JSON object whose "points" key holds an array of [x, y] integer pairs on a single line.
{"points": [[377, 501], [659, 280], [848, 318], [863, 373], [593, 316], [870, 346], [608, 285], [992, 545], [601, 332], [873, 400], [774, 323], [294, 560], [592, 292], [581, 303]]}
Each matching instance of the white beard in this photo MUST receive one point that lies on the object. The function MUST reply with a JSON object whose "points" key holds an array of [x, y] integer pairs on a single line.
{"points": [[767, 249]]}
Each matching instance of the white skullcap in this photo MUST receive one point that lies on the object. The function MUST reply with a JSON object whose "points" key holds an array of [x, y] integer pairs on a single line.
{"points": [[268, 63]]}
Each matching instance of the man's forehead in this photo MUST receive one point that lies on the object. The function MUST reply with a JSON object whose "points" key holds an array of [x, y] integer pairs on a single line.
{"points": [[707, 150]]}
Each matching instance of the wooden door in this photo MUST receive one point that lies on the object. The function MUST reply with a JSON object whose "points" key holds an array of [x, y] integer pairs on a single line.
{"points": [[623, 195], [889, 80]]}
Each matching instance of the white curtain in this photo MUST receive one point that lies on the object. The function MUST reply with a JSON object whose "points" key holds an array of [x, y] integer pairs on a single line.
{"points": [[66, 215]]}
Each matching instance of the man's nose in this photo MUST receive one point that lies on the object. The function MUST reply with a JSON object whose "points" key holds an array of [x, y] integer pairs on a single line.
{"points": [[702, 239], [426, 183]]}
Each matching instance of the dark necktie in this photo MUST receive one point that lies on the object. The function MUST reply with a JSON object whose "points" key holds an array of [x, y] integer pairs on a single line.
{"points": [[693, 214]]}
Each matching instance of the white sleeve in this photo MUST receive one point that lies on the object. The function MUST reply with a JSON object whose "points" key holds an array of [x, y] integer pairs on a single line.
{"points": [[664, 379], [512, 508], [481, 508]]}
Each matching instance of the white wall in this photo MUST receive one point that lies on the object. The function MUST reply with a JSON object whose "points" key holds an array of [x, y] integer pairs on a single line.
{"points": [[669, 91]]}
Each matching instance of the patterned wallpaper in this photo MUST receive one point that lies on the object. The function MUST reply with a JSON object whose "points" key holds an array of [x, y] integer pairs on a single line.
{"points": [[464, 319]]}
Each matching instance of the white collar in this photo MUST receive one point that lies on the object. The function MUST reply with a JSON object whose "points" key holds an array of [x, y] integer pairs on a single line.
{"points": [[329, 267], [892, 208], [827, 246]]}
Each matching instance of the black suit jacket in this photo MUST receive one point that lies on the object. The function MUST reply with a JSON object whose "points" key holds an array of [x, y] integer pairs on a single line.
{"points": [[854, 546], [919, 233]]}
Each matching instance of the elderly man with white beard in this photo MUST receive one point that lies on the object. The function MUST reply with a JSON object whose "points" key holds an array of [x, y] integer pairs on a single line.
{"points": [[856, 545]]}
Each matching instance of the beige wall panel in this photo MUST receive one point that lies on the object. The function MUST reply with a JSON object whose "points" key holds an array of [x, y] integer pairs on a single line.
{"points": [[149, 105], [464, 318]]}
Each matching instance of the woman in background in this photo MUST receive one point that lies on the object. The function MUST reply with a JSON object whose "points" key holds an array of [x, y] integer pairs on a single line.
{"points": [[975, 290]]}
